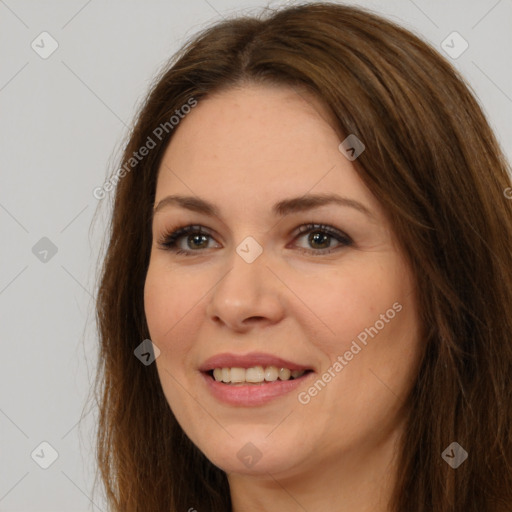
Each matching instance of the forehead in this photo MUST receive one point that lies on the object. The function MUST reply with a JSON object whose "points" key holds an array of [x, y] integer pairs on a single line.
{"points": [[258, 142], [254, 119]]}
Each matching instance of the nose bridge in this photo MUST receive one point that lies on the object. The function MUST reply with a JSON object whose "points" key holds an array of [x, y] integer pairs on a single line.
{"points": [[247, 290]]}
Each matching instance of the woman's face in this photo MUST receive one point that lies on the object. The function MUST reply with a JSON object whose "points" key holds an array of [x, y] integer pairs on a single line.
{"points": [[336, 300]]}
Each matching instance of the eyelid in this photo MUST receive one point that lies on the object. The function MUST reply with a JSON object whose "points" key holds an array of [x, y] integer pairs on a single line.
{"points": [[315, 226], [170, 236]]}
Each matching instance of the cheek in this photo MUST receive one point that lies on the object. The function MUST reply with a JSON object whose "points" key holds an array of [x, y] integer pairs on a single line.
{"points": [[165, 307], [346, 302], [165, 304], [156, 303]]}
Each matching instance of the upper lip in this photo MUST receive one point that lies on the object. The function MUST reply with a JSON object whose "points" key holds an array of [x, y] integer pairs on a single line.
{"points": [[227, 360]]}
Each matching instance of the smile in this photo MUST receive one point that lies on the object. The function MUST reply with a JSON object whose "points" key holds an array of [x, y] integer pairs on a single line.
{"points": [[253, 394], [254, 374]]}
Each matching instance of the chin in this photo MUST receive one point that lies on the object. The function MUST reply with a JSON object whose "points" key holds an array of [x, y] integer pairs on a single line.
{"points": [[253, 454]]}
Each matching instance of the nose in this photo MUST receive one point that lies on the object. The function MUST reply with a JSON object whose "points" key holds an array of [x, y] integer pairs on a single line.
{"points": [[246, 295]]}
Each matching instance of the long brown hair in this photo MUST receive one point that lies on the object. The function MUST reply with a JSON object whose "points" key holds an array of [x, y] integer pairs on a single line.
{"points": [[437, 169]]}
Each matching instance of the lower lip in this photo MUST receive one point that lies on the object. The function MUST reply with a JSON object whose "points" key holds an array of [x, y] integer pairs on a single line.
{"points": [[252, 395]]}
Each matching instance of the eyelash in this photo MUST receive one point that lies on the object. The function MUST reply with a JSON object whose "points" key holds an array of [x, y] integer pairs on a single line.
{"points": [[169, 240]]}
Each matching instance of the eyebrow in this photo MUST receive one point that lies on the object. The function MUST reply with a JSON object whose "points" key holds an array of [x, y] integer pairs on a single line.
{"points": [[280, 209]]}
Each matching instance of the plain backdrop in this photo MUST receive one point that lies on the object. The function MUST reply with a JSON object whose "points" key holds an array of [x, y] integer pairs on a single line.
{"points": [[63, 120]]}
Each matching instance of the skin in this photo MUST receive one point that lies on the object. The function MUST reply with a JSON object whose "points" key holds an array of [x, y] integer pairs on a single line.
{"points": [[245, 149]]}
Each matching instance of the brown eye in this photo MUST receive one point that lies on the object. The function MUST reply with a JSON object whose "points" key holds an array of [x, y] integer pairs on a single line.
{"points": [[320, 238], [196, 239]]}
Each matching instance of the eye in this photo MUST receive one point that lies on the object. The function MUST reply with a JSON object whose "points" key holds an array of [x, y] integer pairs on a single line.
{"points": [[322, 235], [195, 236], [196, 239]]}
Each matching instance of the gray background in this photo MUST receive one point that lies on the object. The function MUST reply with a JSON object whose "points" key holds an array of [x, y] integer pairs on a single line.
{"points": [[62, 125]]}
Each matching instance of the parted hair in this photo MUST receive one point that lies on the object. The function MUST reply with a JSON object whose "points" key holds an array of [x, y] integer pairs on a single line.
{"points": [[436, 167]]}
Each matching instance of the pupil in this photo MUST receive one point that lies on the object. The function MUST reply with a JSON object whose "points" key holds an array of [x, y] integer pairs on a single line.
{"points": [[196, 237], [314, 237]]}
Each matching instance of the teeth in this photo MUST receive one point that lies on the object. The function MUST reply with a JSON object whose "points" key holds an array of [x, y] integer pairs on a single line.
{"points": [[236, 375], [271, 373], [284, 373], [255, 374]]}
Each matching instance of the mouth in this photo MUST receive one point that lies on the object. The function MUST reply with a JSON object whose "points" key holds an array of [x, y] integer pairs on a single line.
{"points": [[252, 379], [242, 393], [255, 375]]}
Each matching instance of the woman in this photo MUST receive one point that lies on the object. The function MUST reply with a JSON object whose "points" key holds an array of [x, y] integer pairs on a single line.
{"points": [[312, 228]]}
